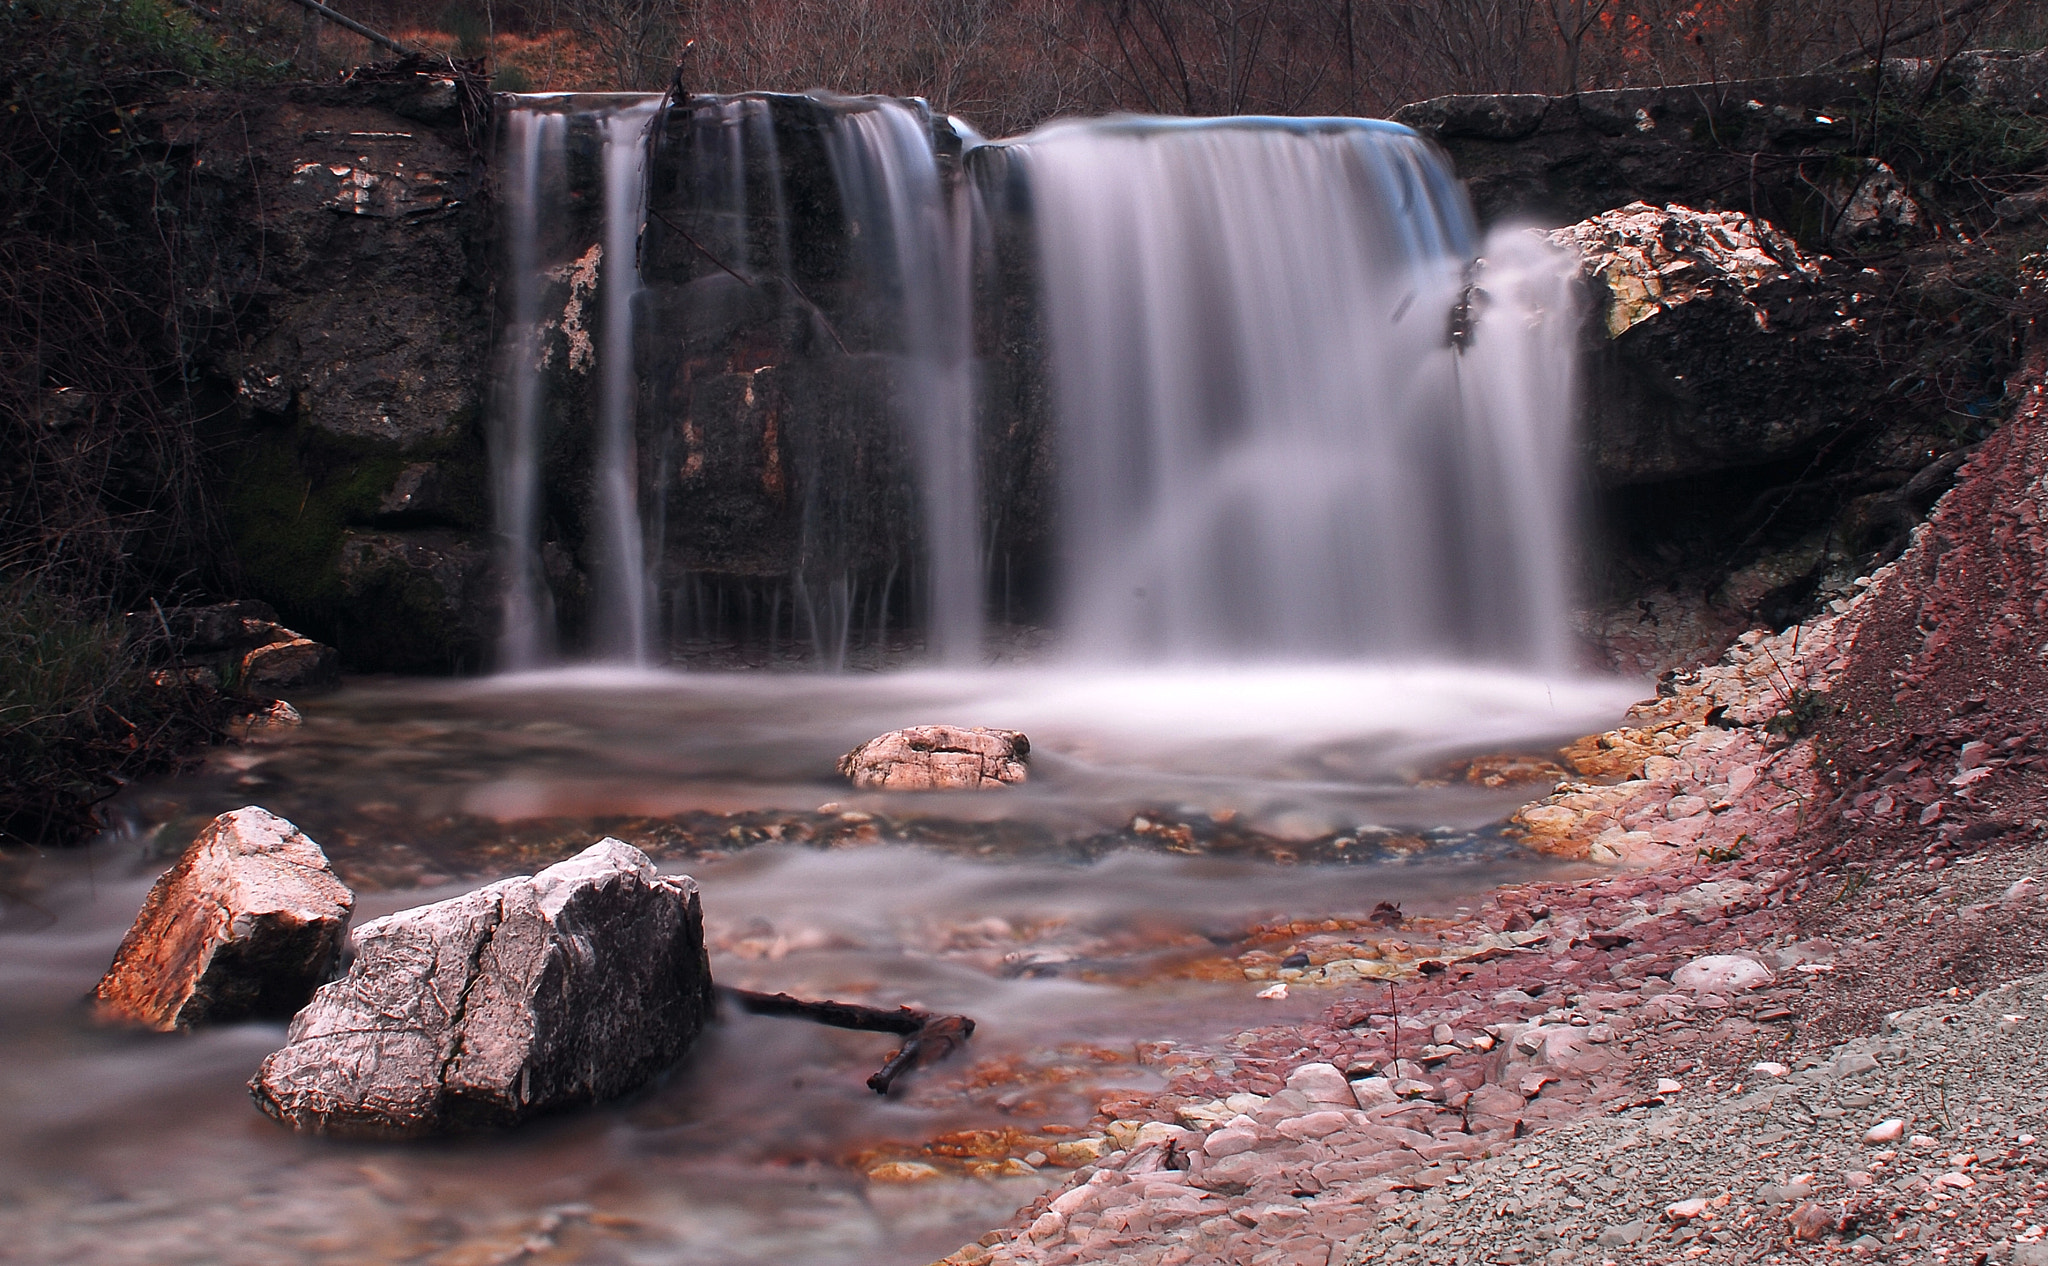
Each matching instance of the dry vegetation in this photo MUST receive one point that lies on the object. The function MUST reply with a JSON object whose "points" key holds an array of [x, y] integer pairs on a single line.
{"points": [[1007, 66]]}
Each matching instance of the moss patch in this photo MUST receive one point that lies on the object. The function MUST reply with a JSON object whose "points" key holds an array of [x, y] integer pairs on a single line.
{"points": [[288, 500]]}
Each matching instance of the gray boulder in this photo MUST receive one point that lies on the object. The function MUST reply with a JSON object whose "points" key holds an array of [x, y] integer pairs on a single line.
{"points": [[248, 924], [535, 993]]}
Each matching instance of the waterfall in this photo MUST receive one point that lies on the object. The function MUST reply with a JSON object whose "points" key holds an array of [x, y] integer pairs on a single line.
{"points": [[1292, 406], [1270, 447], [532, 142], [620, 624], [915, 239]]}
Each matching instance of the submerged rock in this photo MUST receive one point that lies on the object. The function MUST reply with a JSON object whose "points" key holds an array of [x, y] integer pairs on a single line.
{"points": [[535, 993], [938, 758], [248, 924]]}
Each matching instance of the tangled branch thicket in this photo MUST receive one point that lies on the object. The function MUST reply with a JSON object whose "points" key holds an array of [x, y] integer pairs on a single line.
{"points": [[1008, 66], [102, 495]]}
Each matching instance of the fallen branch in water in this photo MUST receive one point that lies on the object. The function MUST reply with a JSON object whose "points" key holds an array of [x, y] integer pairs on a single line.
{"points": [[930, 1037]]}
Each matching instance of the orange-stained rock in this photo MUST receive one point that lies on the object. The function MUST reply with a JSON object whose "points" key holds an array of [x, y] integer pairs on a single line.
{"points": [[937, 758], [298, 664], [248, 923]]}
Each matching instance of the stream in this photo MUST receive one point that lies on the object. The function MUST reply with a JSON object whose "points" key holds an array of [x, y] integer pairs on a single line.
{"points": [[1070, 935]]}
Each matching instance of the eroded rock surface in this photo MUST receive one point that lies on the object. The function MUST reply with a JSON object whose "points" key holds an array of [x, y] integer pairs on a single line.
{"points": [[534, 993], [938, 758], [248, 923], [1719, 343]]}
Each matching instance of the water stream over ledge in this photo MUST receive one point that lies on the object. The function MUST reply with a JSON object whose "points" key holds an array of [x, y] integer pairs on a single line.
{"points": [[1035, 910]]}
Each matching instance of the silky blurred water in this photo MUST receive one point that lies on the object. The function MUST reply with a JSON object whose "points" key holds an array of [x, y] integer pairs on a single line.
{"points": [[118, 1146]]}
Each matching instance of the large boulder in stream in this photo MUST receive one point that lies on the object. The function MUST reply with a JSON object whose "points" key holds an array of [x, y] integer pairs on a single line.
{"points": [[938, 758], [535, 993], [248, 924]]}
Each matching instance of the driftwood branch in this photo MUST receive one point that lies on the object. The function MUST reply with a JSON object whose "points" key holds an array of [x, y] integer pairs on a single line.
{"points": [[350, 24], [930, 1038]]}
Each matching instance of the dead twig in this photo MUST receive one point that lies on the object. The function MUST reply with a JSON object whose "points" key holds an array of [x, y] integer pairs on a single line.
{"points": [[931, 1038]]}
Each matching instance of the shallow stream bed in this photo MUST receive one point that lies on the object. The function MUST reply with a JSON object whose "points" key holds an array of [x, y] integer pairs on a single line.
{"points": [[1060, 915]]}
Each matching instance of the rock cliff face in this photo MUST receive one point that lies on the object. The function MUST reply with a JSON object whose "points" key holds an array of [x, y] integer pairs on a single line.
{"points": [[1806, 319], [341, 234]]}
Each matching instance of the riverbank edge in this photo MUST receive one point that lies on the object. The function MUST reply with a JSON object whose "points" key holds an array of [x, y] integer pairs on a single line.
{"points": [[1730, 805]]}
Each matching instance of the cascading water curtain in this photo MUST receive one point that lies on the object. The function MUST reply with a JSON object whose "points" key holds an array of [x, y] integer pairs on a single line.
{"points": [[530, 147], [620, 627], [914, 235], [1270, 445]]}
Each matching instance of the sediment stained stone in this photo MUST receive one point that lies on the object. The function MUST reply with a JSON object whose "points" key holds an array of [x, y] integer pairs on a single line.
{"points": [[248, 923], [531, 994], [938, 758]]}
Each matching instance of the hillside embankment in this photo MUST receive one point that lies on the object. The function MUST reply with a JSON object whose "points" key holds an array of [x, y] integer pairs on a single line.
{"points": [[1706, 1055]]}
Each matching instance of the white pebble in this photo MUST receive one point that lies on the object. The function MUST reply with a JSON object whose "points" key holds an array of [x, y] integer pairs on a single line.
{"points": [[1721, 973], [1885, 1131], [1275, 993], [1666, 1086], [1770, 1068]]}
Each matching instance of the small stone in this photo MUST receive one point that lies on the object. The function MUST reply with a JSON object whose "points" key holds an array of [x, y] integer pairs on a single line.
{"points": [[903, 1171], [1854, 1064], [1273, 993], [1923, 1141], [1684, 807], [1075, 1153], [1229, 1141], [1721, 973], [1808, 1221], [1959, 1181], [1313, 1125], [1152, 1133], [1770, 1068], [1666, 1086], [1885, 1131], [278, 716], [1321, 1083], [1622, 1236], [1046, 1227], [938, 758], [1370, 1092], [298, 665], [2021, 890], [1686, 1210]]}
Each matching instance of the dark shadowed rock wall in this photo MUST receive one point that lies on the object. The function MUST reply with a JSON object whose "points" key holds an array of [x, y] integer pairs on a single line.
{"points": [[348, 227]]}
